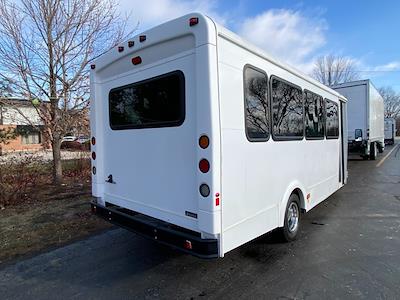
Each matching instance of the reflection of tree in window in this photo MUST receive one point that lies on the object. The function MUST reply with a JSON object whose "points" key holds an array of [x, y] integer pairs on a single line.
{"points": [[332, 119], [287, 109], [314, 115], [257, 109]]}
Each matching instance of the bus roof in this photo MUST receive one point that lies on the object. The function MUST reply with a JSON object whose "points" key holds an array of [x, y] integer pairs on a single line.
{"points": [[206, 31], [239, 41]]}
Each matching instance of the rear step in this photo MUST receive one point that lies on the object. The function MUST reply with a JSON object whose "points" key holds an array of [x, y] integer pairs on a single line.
{"points": [[160, 231]]}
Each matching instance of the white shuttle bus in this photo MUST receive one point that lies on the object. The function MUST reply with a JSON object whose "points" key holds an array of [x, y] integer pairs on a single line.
{"points": [[203, 142]]}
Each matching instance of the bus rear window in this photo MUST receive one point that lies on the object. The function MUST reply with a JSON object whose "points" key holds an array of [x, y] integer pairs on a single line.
{"points": [[154, 102]]}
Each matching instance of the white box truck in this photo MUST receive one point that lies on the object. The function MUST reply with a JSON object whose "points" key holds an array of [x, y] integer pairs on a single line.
{"points": [[203, 142], [365, 117], [390, 130]]}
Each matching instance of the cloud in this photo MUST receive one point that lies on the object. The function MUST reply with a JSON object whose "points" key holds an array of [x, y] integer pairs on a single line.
{"points": [[151, 13], [391, 66], [286, 34]]}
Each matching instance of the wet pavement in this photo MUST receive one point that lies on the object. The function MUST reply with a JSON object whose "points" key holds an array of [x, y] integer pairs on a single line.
{"points": [[349, 248]]}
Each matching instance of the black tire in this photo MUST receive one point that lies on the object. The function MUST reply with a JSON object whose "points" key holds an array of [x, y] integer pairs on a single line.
{"points": [[290, 231], [380, 148], [373, 151]]}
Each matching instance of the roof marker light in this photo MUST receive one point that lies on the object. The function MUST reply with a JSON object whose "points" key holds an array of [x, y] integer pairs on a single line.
{"points": [[131, 44], [137, 60], [120, 48], [142, 38], [193, 21]]}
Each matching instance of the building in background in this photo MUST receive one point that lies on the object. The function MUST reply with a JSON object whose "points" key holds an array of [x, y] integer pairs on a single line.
{"points": [[20, 115]]}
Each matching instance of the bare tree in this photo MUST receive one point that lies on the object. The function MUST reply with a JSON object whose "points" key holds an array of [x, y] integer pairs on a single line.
{"points": [[5, 89], [392, 102], [45, 49], [331, 70]]}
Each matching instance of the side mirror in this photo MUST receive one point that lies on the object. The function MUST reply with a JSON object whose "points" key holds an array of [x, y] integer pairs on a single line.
{"points": [[358, 135]]}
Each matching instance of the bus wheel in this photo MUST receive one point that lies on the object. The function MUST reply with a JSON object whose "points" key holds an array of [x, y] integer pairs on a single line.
{"points": [[291, 225], [373, 151]]}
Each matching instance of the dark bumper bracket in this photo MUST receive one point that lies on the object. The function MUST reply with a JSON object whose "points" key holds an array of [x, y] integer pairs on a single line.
{"points": [[160, 231]]}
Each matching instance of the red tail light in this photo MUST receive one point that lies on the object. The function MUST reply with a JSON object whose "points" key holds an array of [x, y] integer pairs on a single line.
{"points": [[137, 60], [204, 165], [188, 245], [193, 21], [93, 155], [93, 141]]}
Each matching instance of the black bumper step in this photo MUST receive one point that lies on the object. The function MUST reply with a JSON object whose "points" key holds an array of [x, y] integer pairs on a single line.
{"points": [[157, 230]]}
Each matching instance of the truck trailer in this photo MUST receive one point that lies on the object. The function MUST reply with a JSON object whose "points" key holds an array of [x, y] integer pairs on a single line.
{"points": [[203, 142], [390, 130], [365, 118]]}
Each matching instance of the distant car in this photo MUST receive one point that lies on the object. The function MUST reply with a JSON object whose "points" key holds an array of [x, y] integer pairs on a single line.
{"points": [[69, 138], [82, 139]]}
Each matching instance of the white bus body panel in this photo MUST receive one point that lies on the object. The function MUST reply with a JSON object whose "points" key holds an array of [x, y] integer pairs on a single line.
{"points": [[155, 170], [259, 177]]}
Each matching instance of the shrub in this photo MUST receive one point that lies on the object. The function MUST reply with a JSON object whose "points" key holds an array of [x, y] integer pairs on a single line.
{"points": [[18, 175], [79, 168]]}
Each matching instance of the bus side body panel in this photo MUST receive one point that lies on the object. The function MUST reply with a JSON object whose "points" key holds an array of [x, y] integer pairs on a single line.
{"points": [[258, 177]]}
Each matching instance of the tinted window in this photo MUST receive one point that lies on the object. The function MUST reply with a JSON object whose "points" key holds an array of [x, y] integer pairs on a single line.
{"points": [[332, 119], [155, 102], [256, 104], [314, 115], [287, 110]]}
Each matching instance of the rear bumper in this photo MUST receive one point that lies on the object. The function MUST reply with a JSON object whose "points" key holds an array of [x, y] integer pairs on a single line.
{"points": [[357, 147], [160, 231]]}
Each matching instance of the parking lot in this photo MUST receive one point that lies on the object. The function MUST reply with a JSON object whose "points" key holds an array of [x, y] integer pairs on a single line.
{"points": [[349, 248]]}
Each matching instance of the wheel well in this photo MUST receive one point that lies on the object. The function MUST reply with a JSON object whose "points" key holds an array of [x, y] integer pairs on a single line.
{"points": [[299, 194]]}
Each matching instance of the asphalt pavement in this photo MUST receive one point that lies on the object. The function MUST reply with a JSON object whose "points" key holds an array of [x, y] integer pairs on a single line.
{"points": [[349, 248]]}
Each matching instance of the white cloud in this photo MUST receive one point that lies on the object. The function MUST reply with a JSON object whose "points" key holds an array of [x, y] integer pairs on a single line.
{"points": [[149, 13], [391, 66], [288, 35]]}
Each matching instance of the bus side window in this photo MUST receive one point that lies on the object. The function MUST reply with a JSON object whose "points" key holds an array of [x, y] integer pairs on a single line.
{"points": [[314, 115], [256, 104], [332, 119], [287, 110]]}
